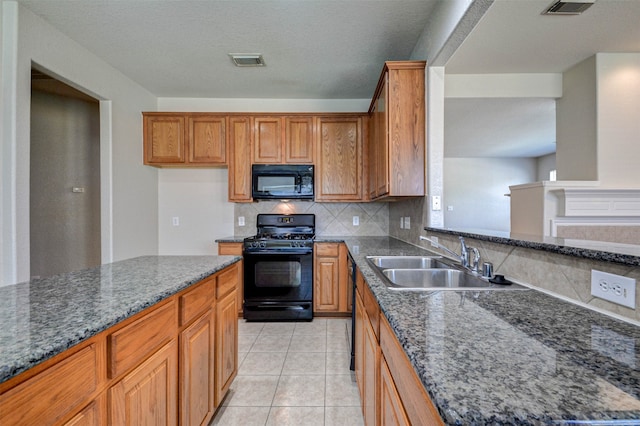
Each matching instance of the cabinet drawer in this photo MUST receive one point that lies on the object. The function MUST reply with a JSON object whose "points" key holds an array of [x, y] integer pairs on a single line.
{"points": [[328, 249], [227, 281], [197, 300], [57, 391], [131, 344]]}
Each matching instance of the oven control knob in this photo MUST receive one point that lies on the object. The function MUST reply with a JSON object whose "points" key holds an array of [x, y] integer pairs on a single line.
{"points": [[263, 245]]}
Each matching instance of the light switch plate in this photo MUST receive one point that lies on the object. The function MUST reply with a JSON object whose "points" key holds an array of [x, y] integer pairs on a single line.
{"points": [[407, 222]]}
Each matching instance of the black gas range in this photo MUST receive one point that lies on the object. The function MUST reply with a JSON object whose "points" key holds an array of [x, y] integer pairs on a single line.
{"points": [[278, 268]]}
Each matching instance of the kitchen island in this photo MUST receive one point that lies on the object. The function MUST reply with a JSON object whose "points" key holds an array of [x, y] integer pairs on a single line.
{"points": [[108, 326], [509, 357]]}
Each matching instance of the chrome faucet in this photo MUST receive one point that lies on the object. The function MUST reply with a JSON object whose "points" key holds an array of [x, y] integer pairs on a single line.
{"points": [[463, 257]]}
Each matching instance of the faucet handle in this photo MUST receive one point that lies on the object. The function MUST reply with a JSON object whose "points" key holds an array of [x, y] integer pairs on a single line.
{"points": [[476, 260]]}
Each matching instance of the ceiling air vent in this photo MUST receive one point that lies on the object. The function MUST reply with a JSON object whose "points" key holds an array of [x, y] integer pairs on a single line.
{"points": [[247, 59], [569, 7]]}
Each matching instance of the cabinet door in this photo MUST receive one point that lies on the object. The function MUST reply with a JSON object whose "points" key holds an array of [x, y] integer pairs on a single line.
{"points": [[298, 143], [164, 139], [267, 140], [92, 415], [339, 159], [405, 129], [239, 159], [371, 366], [326, 296], [197, 360], [207, 140], [391, 410], [226, 343], [148, 394]]}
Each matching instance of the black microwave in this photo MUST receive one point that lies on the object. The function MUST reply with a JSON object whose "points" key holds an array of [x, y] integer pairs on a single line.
{"points": [[282, 182]]}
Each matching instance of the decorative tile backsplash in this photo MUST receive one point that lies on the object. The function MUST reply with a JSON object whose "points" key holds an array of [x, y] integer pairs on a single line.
{"points": [[332, 219]]}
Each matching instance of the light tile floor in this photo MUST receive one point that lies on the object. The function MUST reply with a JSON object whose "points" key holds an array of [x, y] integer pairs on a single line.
{"points": [[292, 373]]}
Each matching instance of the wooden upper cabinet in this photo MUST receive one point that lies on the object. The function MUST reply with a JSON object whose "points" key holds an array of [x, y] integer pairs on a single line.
{"points": [[267, 140], [208, 140], [397, 150], [298, 142], [164, 139], [184, 139], [239, 159], [278, 140], [339, 159]]}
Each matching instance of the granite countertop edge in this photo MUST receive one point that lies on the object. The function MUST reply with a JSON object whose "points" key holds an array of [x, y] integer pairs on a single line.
{"points": [[131, 303], [552, 245]]}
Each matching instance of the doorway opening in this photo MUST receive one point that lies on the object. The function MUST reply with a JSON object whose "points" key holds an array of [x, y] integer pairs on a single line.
{"points": [[64, 197]]}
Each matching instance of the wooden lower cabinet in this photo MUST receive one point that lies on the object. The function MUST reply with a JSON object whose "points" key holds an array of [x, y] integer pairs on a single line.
{"points": [[169, 364], [226, 343], [197, 371], [371, 362], [234, 249], [58, 392], [330, 282], [391, 410], [93, 414], [413, 396], [148, 394], [391, 392]]}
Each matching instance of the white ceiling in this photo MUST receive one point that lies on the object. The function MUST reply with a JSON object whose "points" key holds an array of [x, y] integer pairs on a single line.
{"points": [[514, 37], [314, 49], [334, 49]]}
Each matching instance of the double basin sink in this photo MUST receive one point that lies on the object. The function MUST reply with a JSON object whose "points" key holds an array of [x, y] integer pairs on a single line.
{"points": [[430, 273]]}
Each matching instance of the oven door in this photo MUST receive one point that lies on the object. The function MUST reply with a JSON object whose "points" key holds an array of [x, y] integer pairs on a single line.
{"points": [[278, 276]]}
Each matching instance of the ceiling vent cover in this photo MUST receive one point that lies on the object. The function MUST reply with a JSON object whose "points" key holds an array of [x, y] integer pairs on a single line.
{"points": [[247, 59], [569, 7]]}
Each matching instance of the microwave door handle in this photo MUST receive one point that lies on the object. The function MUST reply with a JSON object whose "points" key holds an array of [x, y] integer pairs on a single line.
{"points": [[299, 183]]}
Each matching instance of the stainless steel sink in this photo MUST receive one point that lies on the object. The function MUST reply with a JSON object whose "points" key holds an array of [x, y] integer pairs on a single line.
{"points": [[408, 262], [440, 279], [424, 273]]}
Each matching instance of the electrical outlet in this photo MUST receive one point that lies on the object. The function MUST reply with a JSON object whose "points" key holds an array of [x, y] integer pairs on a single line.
{"points": [[614, 288], [436, 203], [407, 222], [402, 223], [175, 221], [240, 220], [356, 221]]}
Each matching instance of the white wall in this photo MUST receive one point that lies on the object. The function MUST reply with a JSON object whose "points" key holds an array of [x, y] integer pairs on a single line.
{"points": [[199, 197], [545, 164], [576, 129], [618, 97], [475, 188], [133, 192]]}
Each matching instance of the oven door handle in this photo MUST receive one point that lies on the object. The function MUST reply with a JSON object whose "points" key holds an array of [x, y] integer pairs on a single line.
{"points": [[279, 253]]}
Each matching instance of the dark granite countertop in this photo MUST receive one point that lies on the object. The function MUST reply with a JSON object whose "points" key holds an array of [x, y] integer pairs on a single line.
{"points": [[43, 317], [510, 358]]}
